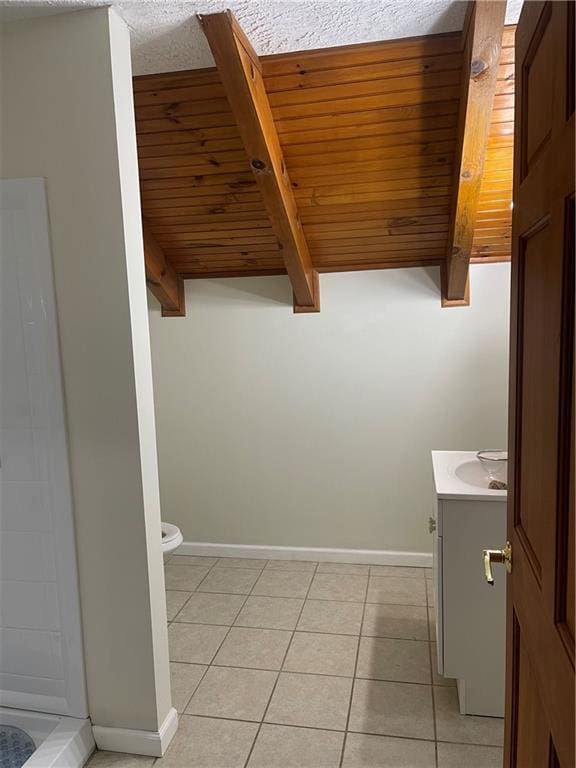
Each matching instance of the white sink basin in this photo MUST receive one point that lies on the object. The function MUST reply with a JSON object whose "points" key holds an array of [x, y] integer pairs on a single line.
{"points": [[459, 475], [471, 472]]}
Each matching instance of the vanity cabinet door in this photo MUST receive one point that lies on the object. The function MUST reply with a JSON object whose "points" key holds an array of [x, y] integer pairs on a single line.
{"points": [[473, 613]]}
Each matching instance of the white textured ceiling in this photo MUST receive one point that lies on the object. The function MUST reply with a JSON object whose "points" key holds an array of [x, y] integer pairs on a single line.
{"points": [[166, 36]]}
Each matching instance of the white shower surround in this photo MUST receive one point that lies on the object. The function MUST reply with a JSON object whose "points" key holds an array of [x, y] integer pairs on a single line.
{"points": [[61, 742], [41, 653], [165, 35], [41, 656]]}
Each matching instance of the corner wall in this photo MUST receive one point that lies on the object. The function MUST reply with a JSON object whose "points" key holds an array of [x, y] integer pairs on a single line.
{"points": [[316, 430], [67, 116]]}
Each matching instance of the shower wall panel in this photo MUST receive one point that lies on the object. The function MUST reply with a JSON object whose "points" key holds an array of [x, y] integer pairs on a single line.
{"points": [[41, 662]]}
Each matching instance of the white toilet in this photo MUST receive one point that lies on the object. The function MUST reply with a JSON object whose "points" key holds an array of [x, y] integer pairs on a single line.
{"points": [[171, 537]]}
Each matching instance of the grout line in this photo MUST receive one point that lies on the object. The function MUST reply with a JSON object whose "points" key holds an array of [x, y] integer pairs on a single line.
{"points": [[225, 636], [210, 568], [309, 674], [175, 620], [211, 662], [291, 597], [184, 604], [219, 563], [217, 625], [280, 670], [185, 707], [349, 713], [292, 629], [335, 730], [267, 561], [376, 575]]}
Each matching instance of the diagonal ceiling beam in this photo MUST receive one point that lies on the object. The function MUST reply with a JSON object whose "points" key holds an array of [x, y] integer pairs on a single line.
{"points": [[161, 277], [241, 75], [482, 43]]}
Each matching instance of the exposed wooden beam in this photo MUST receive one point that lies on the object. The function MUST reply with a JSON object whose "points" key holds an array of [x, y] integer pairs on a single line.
{"points": [[446, 302], [241, 74], [162, 278], [482, 43]]}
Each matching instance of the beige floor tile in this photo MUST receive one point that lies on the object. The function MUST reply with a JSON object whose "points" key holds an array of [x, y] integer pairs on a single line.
{"points": [[239, 694], [464, 729], [464, 756], [194, 643], [397, 571], [364, 751], [392, 709], [334, 586], [118, 760], [429, 573], [409, 622], [322, 654], [384, 589], [203, 742], [275, 583], [175, 599], [207, 562], [270, 612], [212, 608], [235, 581], [241, 562], [432, 622], [284, 746], [291, 565], [349, 569], [315, 701], [436, 678], [184, 576], [404, 661], [331, 616], [430, 592], [184, 679], [254, 648]]}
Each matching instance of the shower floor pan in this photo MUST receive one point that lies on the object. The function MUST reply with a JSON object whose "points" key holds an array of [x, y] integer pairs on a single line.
{"points": [[61, 742]]}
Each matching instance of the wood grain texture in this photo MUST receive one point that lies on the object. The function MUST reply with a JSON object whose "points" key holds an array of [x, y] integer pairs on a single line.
{"points": [[482, 49], [161, 277], [241, 75], [369, 136], [540, 688], [494, 213]]}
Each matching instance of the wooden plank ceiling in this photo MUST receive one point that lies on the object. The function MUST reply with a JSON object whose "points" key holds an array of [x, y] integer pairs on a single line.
{"points": [[369, 141]]}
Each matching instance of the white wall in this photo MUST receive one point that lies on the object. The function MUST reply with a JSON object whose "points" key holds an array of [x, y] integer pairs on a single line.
{"points": [[316, 430], [67, 115]]}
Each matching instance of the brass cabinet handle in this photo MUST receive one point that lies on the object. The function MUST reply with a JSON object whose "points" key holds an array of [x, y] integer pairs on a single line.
{"points": [[490, 556]]}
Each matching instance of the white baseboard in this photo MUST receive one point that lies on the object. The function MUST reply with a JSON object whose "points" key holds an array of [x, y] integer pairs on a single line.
{"points": [[153, 743], [319, 554]]}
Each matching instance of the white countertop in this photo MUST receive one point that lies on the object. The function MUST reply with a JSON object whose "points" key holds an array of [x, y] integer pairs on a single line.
{"points": [[449, 486]]}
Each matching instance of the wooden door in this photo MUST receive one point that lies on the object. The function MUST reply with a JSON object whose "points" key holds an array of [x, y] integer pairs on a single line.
{"points": [[540, 613]]}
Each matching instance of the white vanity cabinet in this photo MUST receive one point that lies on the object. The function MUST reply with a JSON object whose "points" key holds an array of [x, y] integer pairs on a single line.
{"points": [[470, 614]]}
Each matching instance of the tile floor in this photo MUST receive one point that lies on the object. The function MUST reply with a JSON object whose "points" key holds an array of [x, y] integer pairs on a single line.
{"points": [[287, 664]]}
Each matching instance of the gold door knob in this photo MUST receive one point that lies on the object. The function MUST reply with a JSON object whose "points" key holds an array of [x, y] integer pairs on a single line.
{"points": [[490, 556]]}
